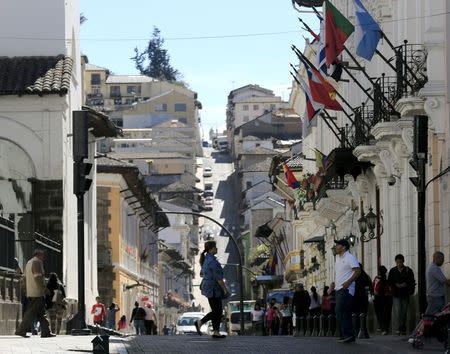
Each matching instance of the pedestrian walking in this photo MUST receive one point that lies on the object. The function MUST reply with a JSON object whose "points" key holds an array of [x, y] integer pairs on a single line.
{"points": [[137, 318], [402, 282], [122, 324], [286, 316], [270, 317], [382, 300], [111, 316], [55, 302], [150, 319], [257, 316], [300, 303], [436, 282], [326, 303], [314, 306], [332, 297], [36, 290], [98, 311], [347, 270], [213, 287]]}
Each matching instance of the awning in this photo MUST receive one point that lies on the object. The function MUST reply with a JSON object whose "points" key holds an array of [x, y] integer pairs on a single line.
{"points": [[315, 239], [269, 279]]}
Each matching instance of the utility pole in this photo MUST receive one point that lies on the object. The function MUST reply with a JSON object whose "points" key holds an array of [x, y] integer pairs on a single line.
{"points": [[81, 184], [238, 250], [419, 164]]}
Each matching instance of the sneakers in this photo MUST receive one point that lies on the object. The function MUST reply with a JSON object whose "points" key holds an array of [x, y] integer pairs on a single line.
{"points": [[48, 335], [347, 339], [216, 334], [22, 335], [198, 325]]}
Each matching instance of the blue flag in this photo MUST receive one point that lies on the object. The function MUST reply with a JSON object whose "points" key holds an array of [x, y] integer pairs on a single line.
{"points": [[367, 32]]}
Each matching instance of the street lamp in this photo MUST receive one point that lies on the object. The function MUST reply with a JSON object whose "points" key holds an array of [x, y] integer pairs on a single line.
{"points": [[367, 222]]}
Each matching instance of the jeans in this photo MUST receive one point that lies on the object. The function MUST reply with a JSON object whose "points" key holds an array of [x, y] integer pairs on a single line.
{"points": [[140, 327], [216, 312], [399, 313], [344, 304]]}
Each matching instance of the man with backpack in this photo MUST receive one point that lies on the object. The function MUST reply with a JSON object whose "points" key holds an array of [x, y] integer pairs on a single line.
{"points": [[137, 318], [402, 282]]}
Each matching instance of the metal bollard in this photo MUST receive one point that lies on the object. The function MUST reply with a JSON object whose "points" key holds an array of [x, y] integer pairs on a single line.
{"points": [[323, 328], [331, 325], [302, 327], [315, 331], [363, 332], [99, 346], [355, 322], [309, 326]]}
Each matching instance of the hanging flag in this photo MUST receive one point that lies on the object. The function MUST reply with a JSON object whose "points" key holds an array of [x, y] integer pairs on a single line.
{"points": [[321, 63], [337, 30], [274, 262], [312, 107], [321, 160], [290, 178], [367, 32], [321, 90]]}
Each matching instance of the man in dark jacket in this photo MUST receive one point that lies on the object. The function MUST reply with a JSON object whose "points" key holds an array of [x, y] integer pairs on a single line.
{"points": [[402, 282], [300, 302]]}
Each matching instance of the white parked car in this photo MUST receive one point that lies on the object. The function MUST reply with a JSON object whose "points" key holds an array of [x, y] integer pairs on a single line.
{"points": [[186, 323], [207, 172]]}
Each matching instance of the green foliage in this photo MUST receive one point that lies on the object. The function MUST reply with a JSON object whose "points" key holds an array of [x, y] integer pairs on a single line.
{"points": [[154, 61]]}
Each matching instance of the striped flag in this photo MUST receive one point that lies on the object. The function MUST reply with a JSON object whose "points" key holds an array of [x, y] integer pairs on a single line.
{"points": [[312, 107]]}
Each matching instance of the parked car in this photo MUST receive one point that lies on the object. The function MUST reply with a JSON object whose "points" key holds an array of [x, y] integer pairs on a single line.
{"points": [[186, 323], [205, 143], [208, 193], [208, 205], [207, 172]]}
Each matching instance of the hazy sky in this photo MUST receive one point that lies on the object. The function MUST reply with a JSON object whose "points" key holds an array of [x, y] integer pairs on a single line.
{"points": [[258, 54]]}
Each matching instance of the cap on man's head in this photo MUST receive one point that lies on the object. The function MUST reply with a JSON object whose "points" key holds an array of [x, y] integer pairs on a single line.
{"points": [[342, 242]]}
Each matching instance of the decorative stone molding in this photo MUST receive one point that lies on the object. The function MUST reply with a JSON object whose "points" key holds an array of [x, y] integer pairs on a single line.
{"points": [[362, 183], [410, 106], [385, 130], [367, 153], [389, 162], [406, 125]]}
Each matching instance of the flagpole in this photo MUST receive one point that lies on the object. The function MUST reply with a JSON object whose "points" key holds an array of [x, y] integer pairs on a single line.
{"points": [[316, 37]]}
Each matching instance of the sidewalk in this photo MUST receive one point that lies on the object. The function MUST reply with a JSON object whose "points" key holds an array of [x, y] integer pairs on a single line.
{"points": [[205, 344]]}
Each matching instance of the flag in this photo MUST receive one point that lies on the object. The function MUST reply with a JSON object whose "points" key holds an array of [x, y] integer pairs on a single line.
{"points": [[337, 30], [290, 178], [273, 262], [321, 63], [321, 160], [367, 33], [321, 90], [312, 107]]}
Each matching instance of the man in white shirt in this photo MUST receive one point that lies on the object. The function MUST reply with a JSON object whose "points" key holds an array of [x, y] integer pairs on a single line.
{"points": [[347, 270]]}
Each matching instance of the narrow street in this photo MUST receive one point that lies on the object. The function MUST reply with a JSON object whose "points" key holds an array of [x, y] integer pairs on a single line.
{"points": [[225, 212]]}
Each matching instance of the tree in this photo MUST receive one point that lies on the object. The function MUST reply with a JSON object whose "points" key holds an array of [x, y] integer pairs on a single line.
{"points": [[154, 61]]}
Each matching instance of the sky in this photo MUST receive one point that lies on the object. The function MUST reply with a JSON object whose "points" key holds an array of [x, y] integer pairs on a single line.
{"points": [[251, 43]]}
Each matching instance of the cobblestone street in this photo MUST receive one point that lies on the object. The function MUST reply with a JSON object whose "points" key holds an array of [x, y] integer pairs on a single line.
{"points": [[205, 344]]}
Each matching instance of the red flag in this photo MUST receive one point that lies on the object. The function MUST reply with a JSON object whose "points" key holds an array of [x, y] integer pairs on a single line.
{"points": [[337, 30], [290, 178]]}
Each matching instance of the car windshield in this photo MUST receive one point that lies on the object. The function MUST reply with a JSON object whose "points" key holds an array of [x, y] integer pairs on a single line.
{"points": [[236, 316], [187, 321], [279, 295]]}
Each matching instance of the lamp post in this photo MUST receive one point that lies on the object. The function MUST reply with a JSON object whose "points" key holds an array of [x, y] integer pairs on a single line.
{"points": [[238, 250]]}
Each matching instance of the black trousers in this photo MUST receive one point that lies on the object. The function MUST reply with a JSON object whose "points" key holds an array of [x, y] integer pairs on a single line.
{"points": [[149, 324], [215, 316]]}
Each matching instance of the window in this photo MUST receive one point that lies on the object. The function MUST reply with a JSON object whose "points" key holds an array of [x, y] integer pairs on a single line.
{"points": [[245, 107], [257, 144], [180, 107], [182, 120], [95, 89], [245, 118], [131, 90], [95, 79], [255, 107], [161, 107], [114, 91]]}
